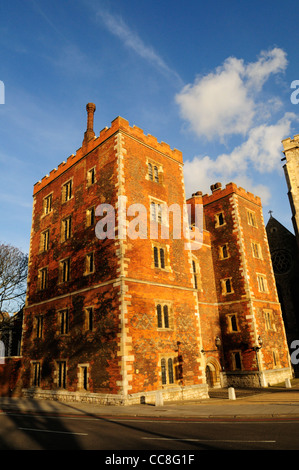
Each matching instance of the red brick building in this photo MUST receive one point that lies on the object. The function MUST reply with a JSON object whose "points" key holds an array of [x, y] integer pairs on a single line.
{"points": [[121, 304]]}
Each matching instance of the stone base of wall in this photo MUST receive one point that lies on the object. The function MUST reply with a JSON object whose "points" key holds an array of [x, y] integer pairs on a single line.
{"points": [[248, 379], [193, 392]]}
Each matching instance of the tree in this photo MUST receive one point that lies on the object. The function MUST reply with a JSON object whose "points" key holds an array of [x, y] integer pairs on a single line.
{"points": [[13, 277]]}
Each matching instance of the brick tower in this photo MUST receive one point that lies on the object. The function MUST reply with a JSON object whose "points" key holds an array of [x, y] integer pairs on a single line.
{"points": [[114, 315], [254, 343], [121, 303]]}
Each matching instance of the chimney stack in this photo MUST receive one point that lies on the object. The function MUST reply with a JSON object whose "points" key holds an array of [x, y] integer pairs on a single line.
{"points": [[89, 134]]}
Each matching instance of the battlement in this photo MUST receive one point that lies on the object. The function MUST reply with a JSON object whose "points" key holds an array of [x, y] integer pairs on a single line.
{"points": [[90, 142], [290, 143], [230, 188]]}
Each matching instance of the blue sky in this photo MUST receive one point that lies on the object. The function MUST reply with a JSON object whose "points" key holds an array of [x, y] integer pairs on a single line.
{"points": [[211, 79]]}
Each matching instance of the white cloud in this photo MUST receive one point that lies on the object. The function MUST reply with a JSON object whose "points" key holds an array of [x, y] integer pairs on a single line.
{"points": [[225, 102], [261, 152], [229, 102]]}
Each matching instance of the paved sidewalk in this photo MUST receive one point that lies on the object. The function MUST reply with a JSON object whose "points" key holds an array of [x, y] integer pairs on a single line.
{"points": [[272, 402]]}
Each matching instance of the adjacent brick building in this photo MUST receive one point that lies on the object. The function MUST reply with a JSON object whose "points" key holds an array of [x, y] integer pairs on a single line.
{"points": [[116, 309]]}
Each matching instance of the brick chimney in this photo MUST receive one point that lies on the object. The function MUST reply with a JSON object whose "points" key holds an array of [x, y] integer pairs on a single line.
{"points": [[89, 134]]}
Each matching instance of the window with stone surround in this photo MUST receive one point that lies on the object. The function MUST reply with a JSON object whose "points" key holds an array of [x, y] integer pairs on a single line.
{"points": [[219, 219], [35, 373], [154, 171], [167, 370], [61, 374], [83, 376], [66, 228], [64, 270], [236, 359], [47, 204], [67, 191], [262, 283], [164, 315], [44, 240], [43, 278], [89, 318], [226, 286], [269, 319], [251, 218], [89, 263], [63, 317], [91, 176], [256, 250], [223, 251], [232, 323]]}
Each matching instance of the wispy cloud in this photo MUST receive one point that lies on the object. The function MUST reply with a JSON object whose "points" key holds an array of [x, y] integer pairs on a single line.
{"points": [[117, 26]]}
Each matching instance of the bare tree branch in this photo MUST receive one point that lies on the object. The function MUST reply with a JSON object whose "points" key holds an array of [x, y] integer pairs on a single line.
{"points": [[13, 276]]}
